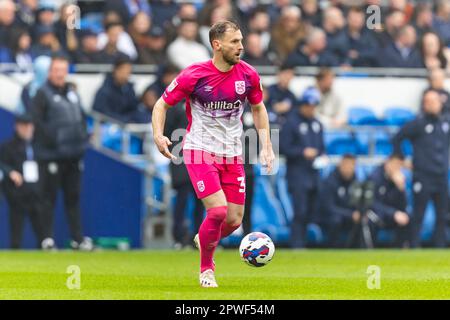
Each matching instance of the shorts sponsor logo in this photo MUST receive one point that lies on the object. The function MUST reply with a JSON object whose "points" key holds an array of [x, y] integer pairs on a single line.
{"points": [[240, 87], [201, 186]]}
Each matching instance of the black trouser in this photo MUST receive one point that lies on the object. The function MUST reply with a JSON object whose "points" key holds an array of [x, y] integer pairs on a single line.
{"points": [[65, 175], [343, 232], [304, 205], [247, 219], [18, 210], [426, 188], [179, 229]]}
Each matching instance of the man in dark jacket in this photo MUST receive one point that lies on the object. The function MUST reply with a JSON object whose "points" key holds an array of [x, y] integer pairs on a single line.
{"points": [[302, 144], [22, 191], [402, 52], [429, 134], [338, 214], [390, 198], [116, 98], [60, 143]]}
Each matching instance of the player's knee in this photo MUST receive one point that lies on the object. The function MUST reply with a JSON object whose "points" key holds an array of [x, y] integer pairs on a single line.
{"points": [[217, 213], [235, 219]]}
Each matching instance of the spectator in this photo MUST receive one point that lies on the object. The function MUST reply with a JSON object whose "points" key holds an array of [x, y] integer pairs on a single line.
{"points": [[41, 66], [116, 97], [66, 36], [441, 21], [26, 12], [163, 11], [260, 23], [287, 32], [45, 16], [88, 51], [311, 13], [401, 53], [338, 214], [330, 109], [433, 52], [115, 39], [60, 143], [21, 50], [155, 52], [404, 6], [395, 20], [254, 53], [275, 9], [47, 44], [22, 194], [7, 21], [127, 9], [186, 11], [436, 80], [429, 134], [139, 29], [333, 24], [302, 144], [186, 43], [390, 199], [361, 42], [110, 51], [313, 53], [423, 18], [281, 99]]}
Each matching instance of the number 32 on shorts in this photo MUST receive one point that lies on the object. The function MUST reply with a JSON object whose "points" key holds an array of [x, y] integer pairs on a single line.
{"points": [[241, 181]]}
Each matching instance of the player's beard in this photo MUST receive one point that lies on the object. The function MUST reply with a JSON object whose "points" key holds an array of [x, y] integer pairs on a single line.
{"points": [[230, 58]]}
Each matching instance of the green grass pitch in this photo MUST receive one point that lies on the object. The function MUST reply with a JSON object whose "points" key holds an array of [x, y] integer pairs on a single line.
{"points": [[308, 274]]}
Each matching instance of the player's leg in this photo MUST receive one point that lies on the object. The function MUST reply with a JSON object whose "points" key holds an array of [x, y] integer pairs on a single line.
{"points": [[233, 185]]}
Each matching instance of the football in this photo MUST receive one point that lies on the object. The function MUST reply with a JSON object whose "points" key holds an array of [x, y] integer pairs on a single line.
{"points": [[257, 249]]}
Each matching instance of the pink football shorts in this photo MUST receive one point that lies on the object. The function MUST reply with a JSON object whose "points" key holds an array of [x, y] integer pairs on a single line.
{"points": [[210, 173]]}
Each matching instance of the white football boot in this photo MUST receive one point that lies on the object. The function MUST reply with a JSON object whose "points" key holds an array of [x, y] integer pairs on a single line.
{"points": [[207, 279]]}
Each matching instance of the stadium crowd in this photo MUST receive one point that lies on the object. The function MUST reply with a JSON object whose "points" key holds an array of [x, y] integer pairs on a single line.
{"points": [[411, 34], [407, 34]]}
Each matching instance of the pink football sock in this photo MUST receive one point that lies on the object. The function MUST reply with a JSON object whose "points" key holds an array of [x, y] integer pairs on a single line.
{"points": [[227, 229], [209, 234]]}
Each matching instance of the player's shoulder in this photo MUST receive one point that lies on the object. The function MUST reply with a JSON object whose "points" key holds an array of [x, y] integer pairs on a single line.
{"points": [[198, 68], [247, 67]]}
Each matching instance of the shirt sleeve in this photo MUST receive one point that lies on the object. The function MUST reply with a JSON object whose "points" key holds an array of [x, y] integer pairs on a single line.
{"points": [[255, 94], [181, 87]]}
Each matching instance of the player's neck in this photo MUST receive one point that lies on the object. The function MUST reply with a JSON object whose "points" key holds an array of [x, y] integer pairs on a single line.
{"points": [[220, 64]]}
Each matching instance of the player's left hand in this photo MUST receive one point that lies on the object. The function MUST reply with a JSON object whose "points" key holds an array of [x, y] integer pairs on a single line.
{"points": [[267, 157]]}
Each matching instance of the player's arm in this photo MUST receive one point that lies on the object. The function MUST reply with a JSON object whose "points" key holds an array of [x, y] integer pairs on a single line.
{"points": [[158, 121], [261, 120]]}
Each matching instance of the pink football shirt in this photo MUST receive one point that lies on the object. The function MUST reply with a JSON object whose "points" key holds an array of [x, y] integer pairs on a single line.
{"points": [[214, 105]]}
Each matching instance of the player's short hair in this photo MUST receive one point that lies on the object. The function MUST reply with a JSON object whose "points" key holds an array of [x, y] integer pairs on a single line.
{"points": [[348, 156], [218, 29], [59, 56]]}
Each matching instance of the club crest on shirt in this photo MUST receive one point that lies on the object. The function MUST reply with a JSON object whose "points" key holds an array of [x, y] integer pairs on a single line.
{"points": [[172, 85], [240, 87], [201, 186]]}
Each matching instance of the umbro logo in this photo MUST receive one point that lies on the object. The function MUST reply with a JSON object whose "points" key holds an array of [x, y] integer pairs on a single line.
{"points": [[208, 88]]}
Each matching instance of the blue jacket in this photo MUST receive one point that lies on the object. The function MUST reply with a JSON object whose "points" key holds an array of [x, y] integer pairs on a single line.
{"points": [[118, 102], [297, 134], [390, 57], [430, 138], [334, 198], [388, 198]]}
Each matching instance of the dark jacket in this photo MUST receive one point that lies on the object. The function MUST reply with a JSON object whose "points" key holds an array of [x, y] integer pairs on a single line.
{"points": [[430, 138], [338, 44], [388, 198], [297, 134], [276, 95], [390, 57], [334, 198], [324, 59], [366, 46], [176, 119], [60, 123], [118, 102], [13, 155]]}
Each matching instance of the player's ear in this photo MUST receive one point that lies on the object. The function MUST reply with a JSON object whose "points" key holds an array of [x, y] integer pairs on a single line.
{"points": [[216, 44]]}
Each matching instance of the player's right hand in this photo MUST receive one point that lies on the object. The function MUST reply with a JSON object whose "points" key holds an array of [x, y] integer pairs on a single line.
{"points": [[163, 143]]}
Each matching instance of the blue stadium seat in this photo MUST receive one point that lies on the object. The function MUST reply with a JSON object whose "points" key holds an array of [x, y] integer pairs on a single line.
{"points": [[358, 116], [383, 145], [339, 143], [398, 116], [112, 139]]}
